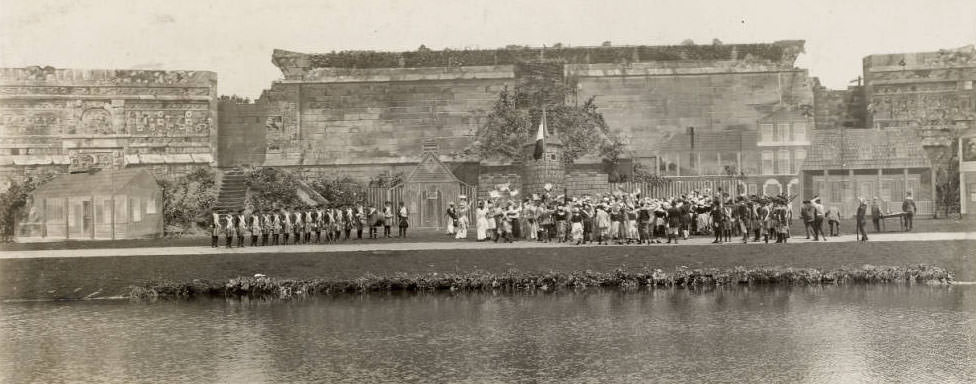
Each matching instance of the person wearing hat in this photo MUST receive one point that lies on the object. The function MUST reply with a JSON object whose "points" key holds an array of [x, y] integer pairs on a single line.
{"points": [[559, 216], [490, 223], [452, 218], [718, 221], [862, 209], [908, 206], [674, 221], [481, 221], [875, 214], [214, 228], [686, 218], [644, 223], [461, 230], [402, 217], [602, 224], [530, 213], [255, 227], [386, 220], [576, 220]]}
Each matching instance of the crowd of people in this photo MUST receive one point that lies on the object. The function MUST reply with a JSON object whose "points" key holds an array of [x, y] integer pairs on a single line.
{"points": [[618, 218], [297, 226], [629, 218]]}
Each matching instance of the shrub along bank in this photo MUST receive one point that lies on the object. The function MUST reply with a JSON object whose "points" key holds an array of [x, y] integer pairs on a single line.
{"points": [[515, 280]]}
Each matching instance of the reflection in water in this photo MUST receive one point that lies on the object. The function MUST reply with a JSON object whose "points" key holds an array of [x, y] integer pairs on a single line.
{"points": [[816, 334]]}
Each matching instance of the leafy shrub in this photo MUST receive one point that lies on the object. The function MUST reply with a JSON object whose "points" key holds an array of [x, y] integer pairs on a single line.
{"points": [[188, 197]]}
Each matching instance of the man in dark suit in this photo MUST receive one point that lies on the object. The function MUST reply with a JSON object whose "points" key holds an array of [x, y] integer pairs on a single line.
{"points": [[862, 210], [908, 206]]}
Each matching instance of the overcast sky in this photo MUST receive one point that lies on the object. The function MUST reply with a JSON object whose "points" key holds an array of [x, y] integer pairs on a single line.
{"points": [[235, 38]]}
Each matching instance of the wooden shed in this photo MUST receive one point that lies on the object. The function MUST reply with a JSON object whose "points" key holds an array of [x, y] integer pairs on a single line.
{"points": [[118, 204]]}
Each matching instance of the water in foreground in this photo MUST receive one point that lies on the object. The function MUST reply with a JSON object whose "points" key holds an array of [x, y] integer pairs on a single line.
{"points": [[741, 334]]}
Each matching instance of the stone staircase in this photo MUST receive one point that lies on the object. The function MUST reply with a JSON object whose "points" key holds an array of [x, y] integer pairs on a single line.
{"points": [[232, 191]]}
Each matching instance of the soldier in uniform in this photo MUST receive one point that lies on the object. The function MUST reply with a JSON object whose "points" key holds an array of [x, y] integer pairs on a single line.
{"points": [[241, 223], [276, 226], [230, 230], [214, 228], [255, 227], [266, 227]]}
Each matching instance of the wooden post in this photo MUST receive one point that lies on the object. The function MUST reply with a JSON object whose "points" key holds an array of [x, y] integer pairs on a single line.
{"points": [[698, 161]]}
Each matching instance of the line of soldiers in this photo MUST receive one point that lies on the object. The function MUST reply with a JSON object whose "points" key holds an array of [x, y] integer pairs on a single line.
{"points": [[296, 225]]}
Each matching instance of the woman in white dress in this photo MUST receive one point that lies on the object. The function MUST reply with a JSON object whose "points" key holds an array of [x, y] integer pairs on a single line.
{"points": [[481, 215]]}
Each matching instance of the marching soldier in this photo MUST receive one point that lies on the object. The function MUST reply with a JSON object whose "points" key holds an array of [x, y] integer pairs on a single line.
{"points": [[230, 230], [214, 228], [255, 228], [241, 222], [266, 227]]}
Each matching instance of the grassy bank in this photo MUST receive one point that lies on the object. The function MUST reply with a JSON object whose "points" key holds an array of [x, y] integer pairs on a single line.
{"points": [[75, 278], [514, 280]]}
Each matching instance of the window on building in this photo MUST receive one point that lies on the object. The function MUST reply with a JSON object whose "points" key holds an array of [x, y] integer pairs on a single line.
{"points": [[121, 210], [766, 133], [800, 132], [783, 162], [885, 194], [136, 209], [767, 163], [798, 157], [107, 208], [55, 210], [836, 192], [972, 192], [151, 206], [818, 188], [782, 132], [967, 85], [753, 189]]}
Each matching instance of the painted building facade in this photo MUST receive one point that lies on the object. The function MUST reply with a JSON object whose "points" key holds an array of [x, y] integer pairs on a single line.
{"points": [[72, 119]]}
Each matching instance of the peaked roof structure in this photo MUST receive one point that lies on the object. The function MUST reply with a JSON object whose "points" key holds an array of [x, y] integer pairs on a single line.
{"points": [[431, 170], [865, 148], [104, 182]]}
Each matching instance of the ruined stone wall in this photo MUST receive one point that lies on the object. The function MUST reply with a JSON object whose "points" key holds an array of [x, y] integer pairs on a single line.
{"points": [[348, 116], [646, 104], [925, 88], [72, 119], [241, 133], [839, 108]]}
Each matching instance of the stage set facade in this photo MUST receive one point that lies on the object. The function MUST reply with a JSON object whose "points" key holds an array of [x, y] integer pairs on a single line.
{"points": [[741, 116]]}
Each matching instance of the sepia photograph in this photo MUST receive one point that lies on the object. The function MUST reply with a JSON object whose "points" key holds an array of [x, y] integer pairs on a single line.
{"points": [[475, 191]]}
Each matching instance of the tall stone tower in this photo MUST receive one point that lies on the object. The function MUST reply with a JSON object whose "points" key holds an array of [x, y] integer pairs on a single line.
{"points": [[549, 169]]}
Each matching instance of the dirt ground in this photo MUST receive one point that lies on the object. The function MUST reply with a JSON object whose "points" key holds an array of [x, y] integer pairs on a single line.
{"points": [[95, 277], [846, 227]]}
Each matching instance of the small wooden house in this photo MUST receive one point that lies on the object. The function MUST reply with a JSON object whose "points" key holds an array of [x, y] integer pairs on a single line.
{"points": [[117, 204]]}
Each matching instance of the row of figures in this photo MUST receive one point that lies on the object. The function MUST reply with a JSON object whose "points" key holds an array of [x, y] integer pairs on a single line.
{"points": [[296, 226]]}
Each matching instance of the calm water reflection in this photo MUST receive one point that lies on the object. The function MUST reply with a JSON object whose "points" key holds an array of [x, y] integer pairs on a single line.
{"points": [[829, 334]]}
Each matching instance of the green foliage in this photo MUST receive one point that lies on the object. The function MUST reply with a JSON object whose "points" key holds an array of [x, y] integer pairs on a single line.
{"points": [[271, 188], [340, 191], [515, 116], [188, 197], [644, 175], [14, 199], [515, 280], [780, 52]]}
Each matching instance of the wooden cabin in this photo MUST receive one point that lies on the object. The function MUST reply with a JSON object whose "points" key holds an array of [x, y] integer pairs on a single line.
{"points": [[103, 205]]}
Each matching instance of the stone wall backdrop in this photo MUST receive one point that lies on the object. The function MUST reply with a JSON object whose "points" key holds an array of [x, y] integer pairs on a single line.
{"points": [[75, 119]]}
